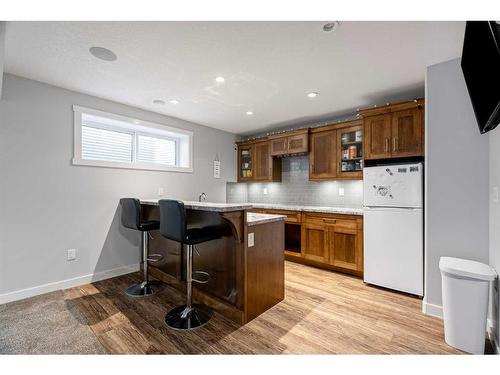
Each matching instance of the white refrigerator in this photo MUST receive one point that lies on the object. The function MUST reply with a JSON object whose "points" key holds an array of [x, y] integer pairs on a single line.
{"points": [[393, 227]]}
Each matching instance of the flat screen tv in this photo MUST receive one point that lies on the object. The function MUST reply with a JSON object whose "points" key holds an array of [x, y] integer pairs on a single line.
{"points": [[481, 68]]}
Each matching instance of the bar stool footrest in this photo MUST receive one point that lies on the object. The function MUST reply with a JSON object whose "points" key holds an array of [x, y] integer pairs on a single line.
{"points": [[155, 257], [205, 277]]}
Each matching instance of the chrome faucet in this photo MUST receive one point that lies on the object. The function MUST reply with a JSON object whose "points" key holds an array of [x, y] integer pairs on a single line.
{"points": [[202, 196]]}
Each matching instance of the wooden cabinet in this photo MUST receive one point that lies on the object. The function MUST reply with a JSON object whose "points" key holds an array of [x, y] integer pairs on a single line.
{"points": [[350, 152], [336, 151], [263, 161], [255, 163], [345, 245], [322, 158], [278, 146], [331, 241], [334, 240], [377, 131], [246, 156], [314, 242], [408, 133], [294, 142], [394, 131]]}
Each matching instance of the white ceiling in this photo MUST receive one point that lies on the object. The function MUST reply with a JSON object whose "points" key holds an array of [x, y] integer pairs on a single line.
{"points": [[269, 67]]}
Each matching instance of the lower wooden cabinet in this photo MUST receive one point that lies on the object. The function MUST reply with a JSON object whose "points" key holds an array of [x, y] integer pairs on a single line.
{"points": [[345, 246], [332, 241], [315, 242]]}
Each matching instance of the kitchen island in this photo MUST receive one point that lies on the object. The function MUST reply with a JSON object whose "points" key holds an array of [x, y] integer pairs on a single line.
{"points": [[246, 265]]}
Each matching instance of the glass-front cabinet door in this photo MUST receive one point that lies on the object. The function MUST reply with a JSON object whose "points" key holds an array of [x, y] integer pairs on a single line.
{"points": [[350, 152], [245, 162]]}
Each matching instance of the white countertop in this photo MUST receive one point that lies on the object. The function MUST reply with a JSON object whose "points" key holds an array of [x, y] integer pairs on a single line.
{"points": [[255, 218], [322, 209], [205, 206], [227, 207]]}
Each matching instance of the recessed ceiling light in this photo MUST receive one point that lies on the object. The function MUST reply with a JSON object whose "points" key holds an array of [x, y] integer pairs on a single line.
{"points": [[249, 113], [331, 26], [102, 53], [174, 101], [158, 101], [312, 95], [220, 79]]}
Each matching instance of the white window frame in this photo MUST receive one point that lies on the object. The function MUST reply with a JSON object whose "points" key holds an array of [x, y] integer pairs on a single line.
{"points": [[137, 127]]}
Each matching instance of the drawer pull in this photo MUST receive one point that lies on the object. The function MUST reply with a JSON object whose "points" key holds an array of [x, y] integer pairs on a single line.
{"points": [[330, 221]]}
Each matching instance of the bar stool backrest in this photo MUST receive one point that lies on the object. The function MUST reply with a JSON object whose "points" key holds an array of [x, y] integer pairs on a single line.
{"points": [[131, 213], [173, 220]]}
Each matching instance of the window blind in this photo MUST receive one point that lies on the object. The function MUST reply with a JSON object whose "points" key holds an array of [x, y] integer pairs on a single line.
{"points": [[156, 150], [103, 144]]}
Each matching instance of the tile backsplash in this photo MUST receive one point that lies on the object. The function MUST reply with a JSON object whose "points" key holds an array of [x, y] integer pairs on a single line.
{"points": [[296, 189]]}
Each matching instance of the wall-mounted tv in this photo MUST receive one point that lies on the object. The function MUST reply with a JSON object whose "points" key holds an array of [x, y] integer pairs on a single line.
{"points": [[481, 68]]}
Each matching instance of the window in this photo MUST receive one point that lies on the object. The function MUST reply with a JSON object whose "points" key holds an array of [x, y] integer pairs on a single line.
{"points": [[108, 140]]}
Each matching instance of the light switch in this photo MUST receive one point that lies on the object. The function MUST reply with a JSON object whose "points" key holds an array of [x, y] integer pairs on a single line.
{"points": [[251, 239], [341, 191], [495, 194], [161, 191], [265, 191]]}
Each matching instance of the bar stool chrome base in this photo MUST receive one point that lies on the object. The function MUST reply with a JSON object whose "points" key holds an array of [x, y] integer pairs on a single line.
{"points": [[143, 289], [184, 318]]}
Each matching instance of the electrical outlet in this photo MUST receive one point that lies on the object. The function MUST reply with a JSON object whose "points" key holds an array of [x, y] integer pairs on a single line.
{"points": [[341, 191], [265, 191], [251, 239], [161, 191], [70, 254], [495, 194]]}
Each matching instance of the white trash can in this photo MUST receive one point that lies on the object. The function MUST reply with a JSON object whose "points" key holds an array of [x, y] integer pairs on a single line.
{"points": [[465, 302]]}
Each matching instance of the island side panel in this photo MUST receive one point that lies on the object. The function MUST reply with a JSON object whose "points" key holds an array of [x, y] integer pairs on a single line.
{"points": [[265, 268]]}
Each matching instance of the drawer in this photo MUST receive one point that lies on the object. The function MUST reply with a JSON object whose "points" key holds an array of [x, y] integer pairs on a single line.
{"points": [[291, 216], [331, 219]]}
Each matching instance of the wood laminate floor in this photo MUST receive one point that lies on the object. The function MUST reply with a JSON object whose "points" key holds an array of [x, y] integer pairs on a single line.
{"points": [[323, 313]]}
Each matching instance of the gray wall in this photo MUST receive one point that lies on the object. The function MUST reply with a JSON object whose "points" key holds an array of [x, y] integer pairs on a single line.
{"points": [[48, 205], [457, 177], [494, 136], [2, 53], [295, 188]]}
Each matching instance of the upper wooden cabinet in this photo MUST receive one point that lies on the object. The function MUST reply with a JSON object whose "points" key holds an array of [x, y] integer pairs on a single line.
{"points": [[394, 131], [408, 132], [322, 158], [377, 131], [294, 142], [336, 151], [255, 163]]}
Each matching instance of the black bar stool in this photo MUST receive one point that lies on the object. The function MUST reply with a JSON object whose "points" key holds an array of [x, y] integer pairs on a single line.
{"points": [[174, 227], [131, 218]]}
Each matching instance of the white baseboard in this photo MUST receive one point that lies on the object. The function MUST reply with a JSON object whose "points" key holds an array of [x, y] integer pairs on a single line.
{"points": [[68, 283], [433, 310]]}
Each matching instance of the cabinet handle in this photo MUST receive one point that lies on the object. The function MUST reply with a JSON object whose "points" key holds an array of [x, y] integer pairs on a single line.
{"points": [[397, 143], [394, 144], [330, 221], [386, 149]]}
